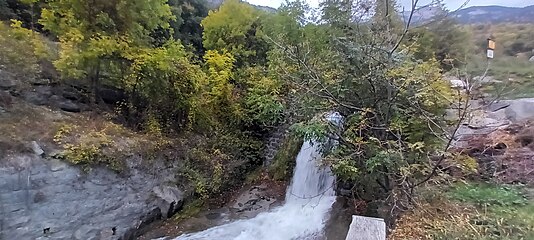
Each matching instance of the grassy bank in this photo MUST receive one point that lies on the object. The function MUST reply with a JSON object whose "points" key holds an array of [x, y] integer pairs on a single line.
{"points": [[514, 77], [476, 211]]}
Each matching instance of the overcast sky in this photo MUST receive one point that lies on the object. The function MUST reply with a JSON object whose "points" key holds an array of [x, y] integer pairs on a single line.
{"points": [[451, 4]]}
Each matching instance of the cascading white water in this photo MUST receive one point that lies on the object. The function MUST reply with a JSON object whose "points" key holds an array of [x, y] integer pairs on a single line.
{"points": [[303, 216]]}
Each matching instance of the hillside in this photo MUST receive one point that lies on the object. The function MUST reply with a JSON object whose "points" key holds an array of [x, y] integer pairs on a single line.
{"points": [[480, 14], [496, 14]]}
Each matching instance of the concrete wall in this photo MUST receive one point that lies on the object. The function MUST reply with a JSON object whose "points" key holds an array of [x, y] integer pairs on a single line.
{"points": [[365, 228]]}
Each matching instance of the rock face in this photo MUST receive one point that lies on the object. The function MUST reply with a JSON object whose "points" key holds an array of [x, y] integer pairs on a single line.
{"points": [[6, 80], [253, 202], [273, 144], [49, 199]]}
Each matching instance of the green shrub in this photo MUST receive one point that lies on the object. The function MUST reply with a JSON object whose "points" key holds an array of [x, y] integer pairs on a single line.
{"points": [[221, 162], [284, 160], [15, 55]]}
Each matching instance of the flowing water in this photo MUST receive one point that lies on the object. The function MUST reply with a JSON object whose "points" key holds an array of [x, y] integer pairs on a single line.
{"points": [[303, 216]]}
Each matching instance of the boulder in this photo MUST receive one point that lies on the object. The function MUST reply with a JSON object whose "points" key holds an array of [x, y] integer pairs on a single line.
{"points": [[69, 106], [496, 106], [35, 98], [169, 199], [7, 81], [71, 94], [44, 90], [64, 104], [37, 149], [520, 109], [39, 81], [457, 83], [50, 199]]}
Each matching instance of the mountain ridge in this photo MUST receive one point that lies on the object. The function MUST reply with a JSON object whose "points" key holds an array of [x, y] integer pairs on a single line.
{"points": [[480, 14]]}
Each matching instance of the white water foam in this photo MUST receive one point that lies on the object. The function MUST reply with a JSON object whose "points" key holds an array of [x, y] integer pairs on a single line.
{"points": [[308, 202]]}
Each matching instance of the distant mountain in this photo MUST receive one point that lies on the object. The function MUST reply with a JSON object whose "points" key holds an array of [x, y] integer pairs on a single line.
{"points": [[496, 14], [480, 14], [214, 4]]}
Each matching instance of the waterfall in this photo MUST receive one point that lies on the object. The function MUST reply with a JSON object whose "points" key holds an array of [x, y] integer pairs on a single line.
{"points": [[304, 214]]}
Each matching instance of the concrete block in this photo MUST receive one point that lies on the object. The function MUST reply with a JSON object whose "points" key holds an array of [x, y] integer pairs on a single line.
{"points": [[365, 228]]}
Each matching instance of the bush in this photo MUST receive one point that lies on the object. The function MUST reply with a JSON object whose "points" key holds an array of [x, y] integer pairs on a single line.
{"points": [[284, 160], [15, 55], [221, 162]]}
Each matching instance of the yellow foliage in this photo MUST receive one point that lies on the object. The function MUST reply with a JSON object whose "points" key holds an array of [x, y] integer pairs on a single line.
{"points": [[40, 48]]}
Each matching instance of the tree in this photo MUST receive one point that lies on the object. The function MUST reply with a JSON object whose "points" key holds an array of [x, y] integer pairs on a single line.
{"points": [[163, 84], [442, 39], [234, 27], [93, 34], [186, 25], [392, 102], [6, 13]]}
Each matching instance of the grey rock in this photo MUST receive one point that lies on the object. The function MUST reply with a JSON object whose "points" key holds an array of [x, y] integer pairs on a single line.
{"points": [[38, 194], [71, 95], [520, 109], [39, 81], [498, 106], [35, 98], [57, 165], [170, 199], [37, 149], [44, 90], [69, 106], [7, 80], [457, 83], [531, 59], [253, 202]]}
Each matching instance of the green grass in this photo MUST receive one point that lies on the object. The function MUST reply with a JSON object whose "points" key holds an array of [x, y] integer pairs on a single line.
{"points": [[516, 76], [488, 195], [190, 209], [502, 212]]}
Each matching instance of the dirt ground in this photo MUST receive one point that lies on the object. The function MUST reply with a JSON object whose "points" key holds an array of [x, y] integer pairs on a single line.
{"points": [[516, 164]]}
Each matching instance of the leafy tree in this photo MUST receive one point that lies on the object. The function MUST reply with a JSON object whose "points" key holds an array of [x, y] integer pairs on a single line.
{"points": [[392, 102], [6, 13], [93, 34], [234, 27], [26, 11], [262, 103], [186, 25], [442, 39], [163, 83]]}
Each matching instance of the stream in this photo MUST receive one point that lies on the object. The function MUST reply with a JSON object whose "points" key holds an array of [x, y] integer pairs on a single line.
{"points": [[304, 214]]}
